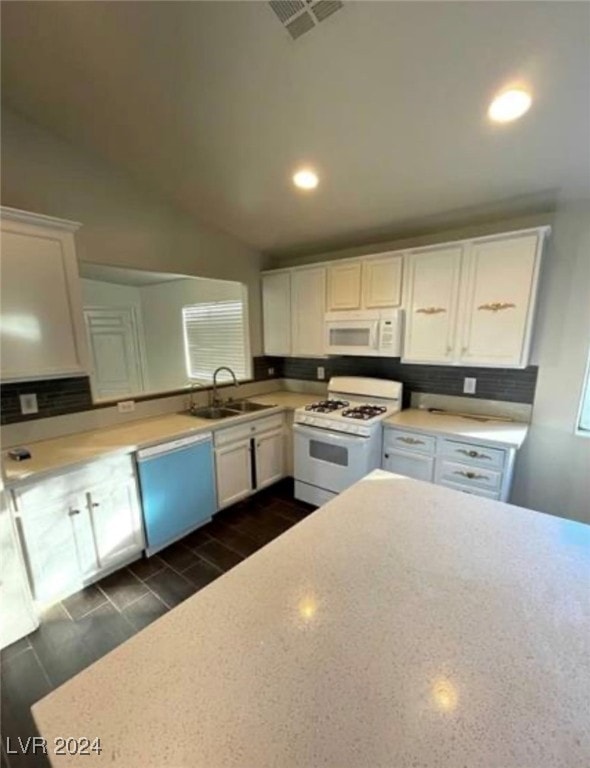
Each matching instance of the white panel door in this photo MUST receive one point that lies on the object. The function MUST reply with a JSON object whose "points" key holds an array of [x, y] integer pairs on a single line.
{"points": [[114, 351], [39, 312], [270, 458], [382, 282], [344, 286], [432, 290], [499, 301], [276, 312], [410, 464], [308, 301], [233, 467], [51, 547], [116, 522]]}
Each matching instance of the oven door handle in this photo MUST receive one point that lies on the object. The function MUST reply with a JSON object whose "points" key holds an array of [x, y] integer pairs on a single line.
{"points": [[328, 434]]}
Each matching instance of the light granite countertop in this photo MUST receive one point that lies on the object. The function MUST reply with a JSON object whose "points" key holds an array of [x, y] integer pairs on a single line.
{"points": [[505, 434], [401, 625], [49, 456]]}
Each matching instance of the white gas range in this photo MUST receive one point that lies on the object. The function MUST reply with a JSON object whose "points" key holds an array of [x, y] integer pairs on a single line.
{"points": [[338, 441]]}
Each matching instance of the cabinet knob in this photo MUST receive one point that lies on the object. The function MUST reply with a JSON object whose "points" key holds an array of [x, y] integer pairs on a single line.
{"points": [[95, 504], [386, 455], [73, 512]]}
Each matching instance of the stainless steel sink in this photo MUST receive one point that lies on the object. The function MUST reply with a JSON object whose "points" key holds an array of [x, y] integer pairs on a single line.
{"points": [[245, 406], [212, 412]]}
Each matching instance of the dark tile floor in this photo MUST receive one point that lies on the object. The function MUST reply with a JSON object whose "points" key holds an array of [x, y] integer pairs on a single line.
{"points": [[79, 630]]}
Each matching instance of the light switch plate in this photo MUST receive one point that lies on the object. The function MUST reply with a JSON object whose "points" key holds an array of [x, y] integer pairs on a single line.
{"points": [[469, 385], [28, 404], [126, 406], [321, 372]]}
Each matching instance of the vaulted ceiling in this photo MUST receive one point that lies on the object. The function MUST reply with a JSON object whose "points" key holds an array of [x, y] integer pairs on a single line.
{"points": [[214, 105]]}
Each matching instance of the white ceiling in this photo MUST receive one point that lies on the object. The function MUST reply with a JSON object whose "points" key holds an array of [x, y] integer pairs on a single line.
{"points": [[214, 105]]}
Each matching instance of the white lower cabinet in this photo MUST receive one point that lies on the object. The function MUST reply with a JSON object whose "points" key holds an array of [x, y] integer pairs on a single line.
{"points": [[78, 526], [409, 464], [476, 468], [270, 460], [233, 466], [249, 457]]}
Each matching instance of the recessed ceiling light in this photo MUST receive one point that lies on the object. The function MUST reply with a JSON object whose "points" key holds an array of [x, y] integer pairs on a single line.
{"points": [[509, 105], [305, 179]]}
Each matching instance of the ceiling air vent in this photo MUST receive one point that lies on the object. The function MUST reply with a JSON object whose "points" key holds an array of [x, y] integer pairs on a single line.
{"points": [[299, 17]]}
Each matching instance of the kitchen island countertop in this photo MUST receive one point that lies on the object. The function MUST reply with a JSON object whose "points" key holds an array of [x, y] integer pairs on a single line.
{"points": [[402, 624]]}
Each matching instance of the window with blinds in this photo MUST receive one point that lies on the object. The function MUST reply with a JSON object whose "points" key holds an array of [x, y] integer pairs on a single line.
{"points": [[215, 335]]}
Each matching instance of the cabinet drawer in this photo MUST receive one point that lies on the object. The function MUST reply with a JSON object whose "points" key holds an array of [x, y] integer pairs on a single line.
{"points": [[466, 475], [478, 455], [39, 493], [408, 441], [415, 465], [249, 429], [474, 491]]}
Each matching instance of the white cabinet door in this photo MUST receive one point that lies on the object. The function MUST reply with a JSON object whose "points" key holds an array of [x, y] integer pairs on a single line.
{"points": [[233, 466], [409, 464], [116, 522], [51, 547], [276, 313], [432, 291], [41, 329], [501, 280], [382, 282], [270, 458], [308, 301], [344, 286]]}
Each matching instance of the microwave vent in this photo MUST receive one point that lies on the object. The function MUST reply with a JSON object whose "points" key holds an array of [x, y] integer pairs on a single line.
{"points": [[299, 17]]}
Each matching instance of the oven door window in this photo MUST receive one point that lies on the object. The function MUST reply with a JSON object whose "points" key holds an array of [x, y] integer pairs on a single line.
{"points": [[350, 337], [332, 454]]}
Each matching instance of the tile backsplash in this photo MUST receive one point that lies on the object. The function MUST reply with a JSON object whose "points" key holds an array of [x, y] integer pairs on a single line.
{"points": [[57, 397], [509, 384]]}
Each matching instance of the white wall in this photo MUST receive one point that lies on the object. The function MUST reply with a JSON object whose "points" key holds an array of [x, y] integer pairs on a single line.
{"points": [[553, 468], [124, 224], [98, 293], [162, 320]]}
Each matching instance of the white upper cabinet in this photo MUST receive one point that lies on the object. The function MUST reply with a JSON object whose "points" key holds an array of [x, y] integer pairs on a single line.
{"points": [[431, 313], [473, 303], [42, 327], [373, 282], [276, 312], [382, 281], [500, 283], [308, 304], [344, 286]]}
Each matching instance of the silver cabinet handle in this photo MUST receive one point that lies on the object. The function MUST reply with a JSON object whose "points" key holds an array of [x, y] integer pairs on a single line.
{"points": [[430, 310], [473, 454], [470, 475], [497, 306], [410, 440], [95, 504], [73, 512]]}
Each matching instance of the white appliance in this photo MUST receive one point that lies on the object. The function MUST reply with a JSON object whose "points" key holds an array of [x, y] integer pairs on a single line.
{"points": [[19, 617], [368, 332], [338, 441]]}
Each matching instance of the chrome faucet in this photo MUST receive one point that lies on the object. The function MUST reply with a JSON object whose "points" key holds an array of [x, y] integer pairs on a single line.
{"points": [[217, 400]]}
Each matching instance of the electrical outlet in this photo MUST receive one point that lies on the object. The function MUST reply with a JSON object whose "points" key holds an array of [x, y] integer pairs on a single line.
{"points": [[271, 371], [321, 373], [126, 406], [469, 385], [28, 404]]}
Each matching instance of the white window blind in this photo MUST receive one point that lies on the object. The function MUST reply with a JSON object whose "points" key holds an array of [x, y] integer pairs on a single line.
{"points": [[214, 335], [584, 422]]}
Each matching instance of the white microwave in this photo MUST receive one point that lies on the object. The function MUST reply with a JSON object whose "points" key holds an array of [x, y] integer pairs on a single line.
{"points": [[367, 332]]}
